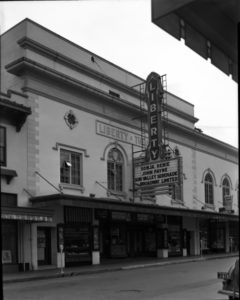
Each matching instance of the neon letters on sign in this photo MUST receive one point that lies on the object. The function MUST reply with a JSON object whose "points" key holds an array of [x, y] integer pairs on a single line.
{"points": [[154, 94]]}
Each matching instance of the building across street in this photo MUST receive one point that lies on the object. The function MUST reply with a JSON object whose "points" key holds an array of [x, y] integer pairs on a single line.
{"points": [[98, 163]]}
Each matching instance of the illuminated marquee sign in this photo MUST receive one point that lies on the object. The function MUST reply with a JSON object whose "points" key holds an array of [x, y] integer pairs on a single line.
{"points": [[157, 173], [154, 95]]}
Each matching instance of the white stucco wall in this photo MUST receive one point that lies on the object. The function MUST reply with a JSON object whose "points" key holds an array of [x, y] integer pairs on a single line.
{"points": [[53, 129]]}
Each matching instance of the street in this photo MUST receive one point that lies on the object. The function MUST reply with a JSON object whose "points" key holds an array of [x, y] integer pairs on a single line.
{"points": [[195, 280]]}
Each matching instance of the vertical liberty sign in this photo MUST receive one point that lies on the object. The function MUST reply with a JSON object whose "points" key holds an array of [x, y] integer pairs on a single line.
{"points": [[154, 95]]}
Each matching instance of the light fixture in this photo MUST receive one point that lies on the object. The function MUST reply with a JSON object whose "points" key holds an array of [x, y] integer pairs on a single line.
{"points": [[68, 164]]}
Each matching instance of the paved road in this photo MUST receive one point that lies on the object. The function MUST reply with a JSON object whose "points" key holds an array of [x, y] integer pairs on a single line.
{"points": [[195, 280]]}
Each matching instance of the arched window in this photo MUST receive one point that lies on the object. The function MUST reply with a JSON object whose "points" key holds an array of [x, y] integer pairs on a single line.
{"points": [[208, 182], [115, 170], [225, 190]]}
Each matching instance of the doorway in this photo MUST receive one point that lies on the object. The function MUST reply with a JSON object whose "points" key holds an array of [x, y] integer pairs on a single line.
{"points": [[44, 245]]}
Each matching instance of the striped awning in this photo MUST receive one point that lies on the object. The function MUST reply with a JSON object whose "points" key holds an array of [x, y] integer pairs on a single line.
{"points": [[26, 214]]}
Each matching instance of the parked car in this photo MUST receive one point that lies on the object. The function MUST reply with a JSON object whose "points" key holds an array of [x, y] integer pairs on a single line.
{"points": [[230, 284]]}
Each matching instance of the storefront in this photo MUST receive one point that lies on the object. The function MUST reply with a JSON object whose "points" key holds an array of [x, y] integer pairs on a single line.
{"points": [[77, 235], [114, 229], [124, 234], [17, 240], [9, 245], [217, 232], [212, 236], [145, 235]]}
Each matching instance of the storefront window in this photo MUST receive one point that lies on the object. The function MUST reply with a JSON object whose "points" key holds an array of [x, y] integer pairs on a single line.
{"points": [[77, 242], [118, 241], [217, 236], [150, 240], [174, 240]]}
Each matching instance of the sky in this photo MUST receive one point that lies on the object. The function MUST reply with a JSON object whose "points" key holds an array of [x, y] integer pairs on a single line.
{"points": [[121, 32]]}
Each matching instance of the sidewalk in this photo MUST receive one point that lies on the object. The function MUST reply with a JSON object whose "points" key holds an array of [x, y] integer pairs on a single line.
{"points": [[109, 265]]}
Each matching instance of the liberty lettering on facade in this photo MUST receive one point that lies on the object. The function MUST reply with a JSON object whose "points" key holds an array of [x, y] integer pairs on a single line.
{"points": [[154, 95]]}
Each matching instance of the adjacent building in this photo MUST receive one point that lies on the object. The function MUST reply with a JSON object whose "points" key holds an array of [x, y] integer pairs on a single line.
{"points": [[77, 185]]}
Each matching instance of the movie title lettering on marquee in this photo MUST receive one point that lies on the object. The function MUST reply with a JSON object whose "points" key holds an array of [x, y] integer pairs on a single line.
{"points": [[157, 173], [154, 95], [119, 134]]}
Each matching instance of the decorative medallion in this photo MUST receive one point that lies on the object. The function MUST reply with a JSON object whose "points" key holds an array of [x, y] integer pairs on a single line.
{"points": [[70, 119]]}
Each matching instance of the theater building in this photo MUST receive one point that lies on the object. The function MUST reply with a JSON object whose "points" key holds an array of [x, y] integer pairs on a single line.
{"points": [[82, 177]]}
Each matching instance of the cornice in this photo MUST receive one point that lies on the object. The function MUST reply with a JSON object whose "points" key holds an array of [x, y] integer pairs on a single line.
{"points": [[179, 142], [28, 43], [23, 65], [198, 137], [181, 114]]}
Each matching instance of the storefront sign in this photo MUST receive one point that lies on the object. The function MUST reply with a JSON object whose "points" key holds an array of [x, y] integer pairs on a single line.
{"points": [[120, 215], [101, 214], [145, 217], [228, 203], [26, 218], [119, 134], [157, 173], [154, 95]]}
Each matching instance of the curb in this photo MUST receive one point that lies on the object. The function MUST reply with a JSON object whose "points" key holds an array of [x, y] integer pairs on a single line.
{"points": [[113, 269]]}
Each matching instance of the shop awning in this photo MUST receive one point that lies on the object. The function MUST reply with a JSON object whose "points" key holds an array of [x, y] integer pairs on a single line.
{"points": [[26, 214], [111, 204]]}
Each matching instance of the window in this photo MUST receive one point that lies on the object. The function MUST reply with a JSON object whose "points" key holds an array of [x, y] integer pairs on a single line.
{"points": [[225, 190], [9, 200], [2, 146], [208, 182], [115, 170], [70, 170]]}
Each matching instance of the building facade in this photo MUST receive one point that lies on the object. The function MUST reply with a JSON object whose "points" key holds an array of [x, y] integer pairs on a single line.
{"points": [[74, 130]]}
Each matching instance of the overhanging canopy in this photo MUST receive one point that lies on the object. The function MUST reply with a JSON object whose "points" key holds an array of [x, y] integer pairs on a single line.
{"points": [[209, 27], [111, 204]]}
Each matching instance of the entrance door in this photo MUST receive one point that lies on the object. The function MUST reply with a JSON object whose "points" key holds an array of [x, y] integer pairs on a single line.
{"points": [[44, 246]]}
